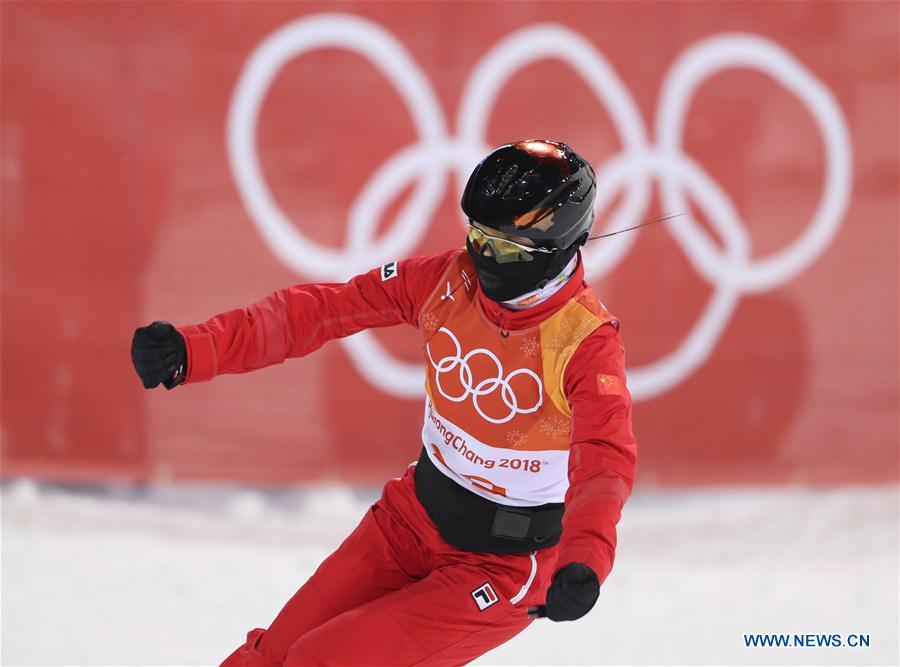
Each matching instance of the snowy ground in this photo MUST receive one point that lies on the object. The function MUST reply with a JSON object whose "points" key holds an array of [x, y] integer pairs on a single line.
{"points": [[177, 576]]}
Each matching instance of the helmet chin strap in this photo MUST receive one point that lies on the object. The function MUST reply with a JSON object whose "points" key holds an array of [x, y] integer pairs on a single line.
{"points": [[561, 259]]}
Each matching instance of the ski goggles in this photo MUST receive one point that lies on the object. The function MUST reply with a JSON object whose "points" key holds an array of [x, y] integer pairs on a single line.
{"points": [[503, 250]]}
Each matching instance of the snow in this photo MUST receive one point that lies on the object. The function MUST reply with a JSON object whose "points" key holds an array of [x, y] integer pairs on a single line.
{"points": [[177, 575]]}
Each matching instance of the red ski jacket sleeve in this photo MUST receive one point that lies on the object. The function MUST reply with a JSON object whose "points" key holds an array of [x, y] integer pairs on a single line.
{"points": [[300, 319], [602, 452]]}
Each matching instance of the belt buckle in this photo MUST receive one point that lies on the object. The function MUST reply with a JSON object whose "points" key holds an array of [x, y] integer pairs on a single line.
{"points": [[511, 524]]}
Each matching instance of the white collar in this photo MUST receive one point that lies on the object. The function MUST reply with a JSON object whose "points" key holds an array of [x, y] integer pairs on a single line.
{"points": [[541, 294]]}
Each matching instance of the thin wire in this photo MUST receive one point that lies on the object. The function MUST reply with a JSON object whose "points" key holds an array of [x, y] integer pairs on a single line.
{"points": [[664, 218]]}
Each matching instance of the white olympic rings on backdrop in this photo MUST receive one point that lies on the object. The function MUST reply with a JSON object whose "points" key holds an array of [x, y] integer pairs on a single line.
{"points": [[426, 164], [486, 386]]}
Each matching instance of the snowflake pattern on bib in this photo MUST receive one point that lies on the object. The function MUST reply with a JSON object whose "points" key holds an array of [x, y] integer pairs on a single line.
{"points": [[517, 438], [530, 346], [428, 321], [553, 426]]}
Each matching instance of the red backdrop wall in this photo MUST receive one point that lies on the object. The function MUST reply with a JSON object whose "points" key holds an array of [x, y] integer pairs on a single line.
{"points": [[121, 204]]}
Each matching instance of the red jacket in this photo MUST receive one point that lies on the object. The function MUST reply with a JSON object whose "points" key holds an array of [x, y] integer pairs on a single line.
{"points": [[296, 321]]}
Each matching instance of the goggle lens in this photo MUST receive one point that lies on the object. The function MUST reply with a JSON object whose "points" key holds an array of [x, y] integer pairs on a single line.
{"points": [[502, 250]]}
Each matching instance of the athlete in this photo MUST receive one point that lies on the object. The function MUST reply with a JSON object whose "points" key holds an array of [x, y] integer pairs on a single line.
{"points": [[527, 452]]}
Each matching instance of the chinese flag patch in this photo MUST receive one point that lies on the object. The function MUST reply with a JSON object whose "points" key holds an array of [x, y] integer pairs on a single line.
{"points": [[610, 384]]}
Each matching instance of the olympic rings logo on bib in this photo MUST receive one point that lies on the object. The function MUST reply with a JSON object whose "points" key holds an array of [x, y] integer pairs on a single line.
{"points": [[484, 387]]}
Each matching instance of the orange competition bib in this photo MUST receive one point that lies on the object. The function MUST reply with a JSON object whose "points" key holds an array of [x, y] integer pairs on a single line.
{"points": [[496, 419]]}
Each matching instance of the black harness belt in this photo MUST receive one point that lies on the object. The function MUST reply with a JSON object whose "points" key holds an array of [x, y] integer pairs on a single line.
{"points": [[469, 522]]}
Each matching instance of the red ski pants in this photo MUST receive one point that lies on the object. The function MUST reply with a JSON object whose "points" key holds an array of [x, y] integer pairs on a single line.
{"points": [[394, 593]]}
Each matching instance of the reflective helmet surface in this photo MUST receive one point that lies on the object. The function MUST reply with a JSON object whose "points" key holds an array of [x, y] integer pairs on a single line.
{"points": [[542, 190]]}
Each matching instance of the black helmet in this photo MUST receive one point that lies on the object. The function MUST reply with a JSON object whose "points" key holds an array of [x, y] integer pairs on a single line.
{"points": [[542, 190]]}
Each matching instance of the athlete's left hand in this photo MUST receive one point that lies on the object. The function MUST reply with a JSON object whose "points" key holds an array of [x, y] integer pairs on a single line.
{"points": [[572, 594]]}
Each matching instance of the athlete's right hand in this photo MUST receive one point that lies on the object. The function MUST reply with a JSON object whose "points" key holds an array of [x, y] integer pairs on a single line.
{"points": [[159, 355]]}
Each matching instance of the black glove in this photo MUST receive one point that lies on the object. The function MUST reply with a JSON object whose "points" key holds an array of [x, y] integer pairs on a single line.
{"points": [[572, 594], [159, 355]]}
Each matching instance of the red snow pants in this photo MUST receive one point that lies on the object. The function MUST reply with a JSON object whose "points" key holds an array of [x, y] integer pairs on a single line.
{"points": [[394, 593]]}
